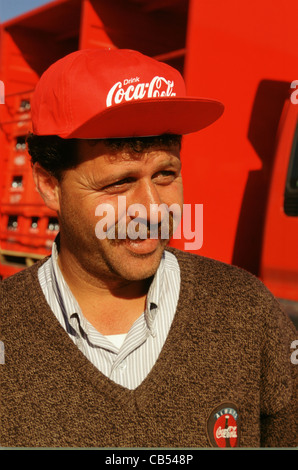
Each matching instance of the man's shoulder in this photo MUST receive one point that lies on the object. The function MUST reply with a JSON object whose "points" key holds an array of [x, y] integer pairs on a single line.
{"points": [[221, 279], [231, 289], [21, 280], [195, 263]]}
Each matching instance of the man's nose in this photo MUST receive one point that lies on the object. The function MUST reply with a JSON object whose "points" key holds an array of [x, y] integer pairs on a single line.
{"points": [[148, 205]]}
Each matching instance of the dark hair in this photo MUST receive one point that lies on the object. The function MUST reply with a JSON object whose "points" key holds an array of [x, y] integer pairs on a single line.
{"points": [[53, 153], [56, 155]]}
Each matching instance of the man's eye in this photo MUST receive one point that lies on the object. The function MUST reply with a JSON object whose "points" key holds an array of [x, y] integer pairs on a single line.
{"points": [[119, 184], [165, 176]]}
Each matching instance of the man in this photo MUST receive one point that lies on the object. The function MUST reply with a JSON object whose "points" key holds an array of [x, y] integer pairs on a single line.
{"points": [[117, 340]]}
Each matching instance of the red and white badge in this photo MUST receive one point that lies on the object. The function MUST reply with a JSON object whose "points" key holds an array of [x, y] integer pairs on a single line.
{"points": [[223, 426]]}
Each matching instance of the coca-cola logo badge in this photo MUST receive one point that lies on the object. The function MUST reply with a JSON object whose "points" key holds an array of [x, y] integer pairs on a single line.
{"points": [[133, 89], [223, 426]]}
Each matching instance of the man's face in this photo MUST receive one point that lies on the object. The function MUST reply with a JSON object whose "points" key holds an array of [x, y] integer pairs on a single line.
{"points": [[102, 176]]}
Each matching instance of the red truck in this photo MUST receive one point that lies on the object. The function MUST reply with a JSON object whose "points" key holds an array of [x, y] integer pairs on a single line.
{"points": [[243, 169]]}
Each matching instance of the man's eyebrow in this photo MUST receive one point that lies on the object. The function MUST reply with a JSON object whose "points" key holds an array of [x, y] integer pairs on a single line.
{"points": [[102, 181], [171, 161]]}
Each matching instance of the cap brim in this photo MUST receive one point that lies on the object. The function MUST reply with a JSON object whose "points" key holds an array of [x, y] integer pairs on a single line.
{"points": [[150, 117]]}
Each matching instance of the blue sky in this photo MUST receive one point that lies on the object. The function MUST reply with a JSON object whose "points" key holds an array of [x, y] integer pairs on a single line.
{"points": [[12, 8]]}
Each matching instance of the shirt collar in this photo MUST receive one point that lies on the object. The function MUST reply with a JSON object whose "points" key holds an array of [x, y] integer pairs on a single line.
{"points": [[70, 305]]}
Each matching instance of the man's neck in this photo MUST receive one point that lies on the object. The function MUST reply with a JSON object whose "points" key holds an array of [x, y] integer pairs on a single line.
{"points": [[110, 305]]}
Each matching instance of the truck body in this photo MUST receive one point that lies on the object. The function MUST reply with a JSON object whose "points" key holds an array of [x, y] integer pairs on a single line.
{"points": [[243, 169]]}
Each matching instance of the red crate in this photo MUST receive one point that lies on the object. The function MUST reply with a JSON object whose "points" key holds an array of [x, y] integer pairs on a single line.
{"points": [[31, 235], [18, 188], [10, 232], [18, 158], [13, 187], [39, 232], [16, 114], [19, 126], [31, 229], [18, 105]]}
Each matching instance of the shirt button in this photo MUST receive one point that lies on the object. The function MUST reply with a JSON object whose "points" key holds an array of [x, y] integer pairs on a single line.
{"points": [[122, 366]]}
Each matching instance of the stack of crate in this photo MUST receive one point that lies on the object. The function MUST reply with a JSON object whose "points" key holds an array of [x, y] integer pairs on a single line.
{"points": [[27, 227]]}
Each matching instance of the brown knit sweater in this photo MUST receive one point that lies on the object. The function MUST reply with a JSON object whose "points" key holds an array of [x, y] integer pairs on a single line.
{"points": [[229, 348]]}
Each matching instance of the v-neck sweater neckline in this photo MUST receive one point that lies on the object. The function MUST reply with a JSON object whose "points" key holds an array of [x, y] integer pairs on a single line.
{"points": [[69, 351]]}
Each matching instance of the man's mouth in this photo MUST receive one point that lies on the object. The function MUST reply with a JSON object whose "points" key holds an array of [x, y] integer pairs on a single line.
{"points": [[142, 246]]}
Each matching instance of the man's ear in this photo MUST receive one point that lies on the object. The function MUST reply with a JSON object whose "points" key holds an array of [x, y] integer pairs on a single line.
{"points": [[47, 186]]}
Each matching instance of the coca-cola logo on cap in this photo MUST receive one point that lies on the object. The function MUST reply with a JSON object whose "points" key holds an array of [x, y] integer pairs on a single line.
{"points": [[224, 426], [133, 89]]}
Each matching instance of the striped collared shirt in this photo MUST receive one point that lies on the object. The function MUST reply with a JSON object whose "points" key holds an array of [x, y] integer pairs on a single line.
{"points": [[128, 362]]}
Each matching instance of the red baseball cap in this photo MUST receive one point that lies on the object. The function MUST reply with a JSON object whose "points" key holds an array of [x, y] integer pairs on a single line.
{"points": [[109, 93]]}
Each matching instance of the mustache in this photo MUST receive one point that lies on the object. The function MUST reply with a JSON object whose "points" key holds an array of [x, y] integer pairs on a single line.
{"points": [[140, 229]]}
